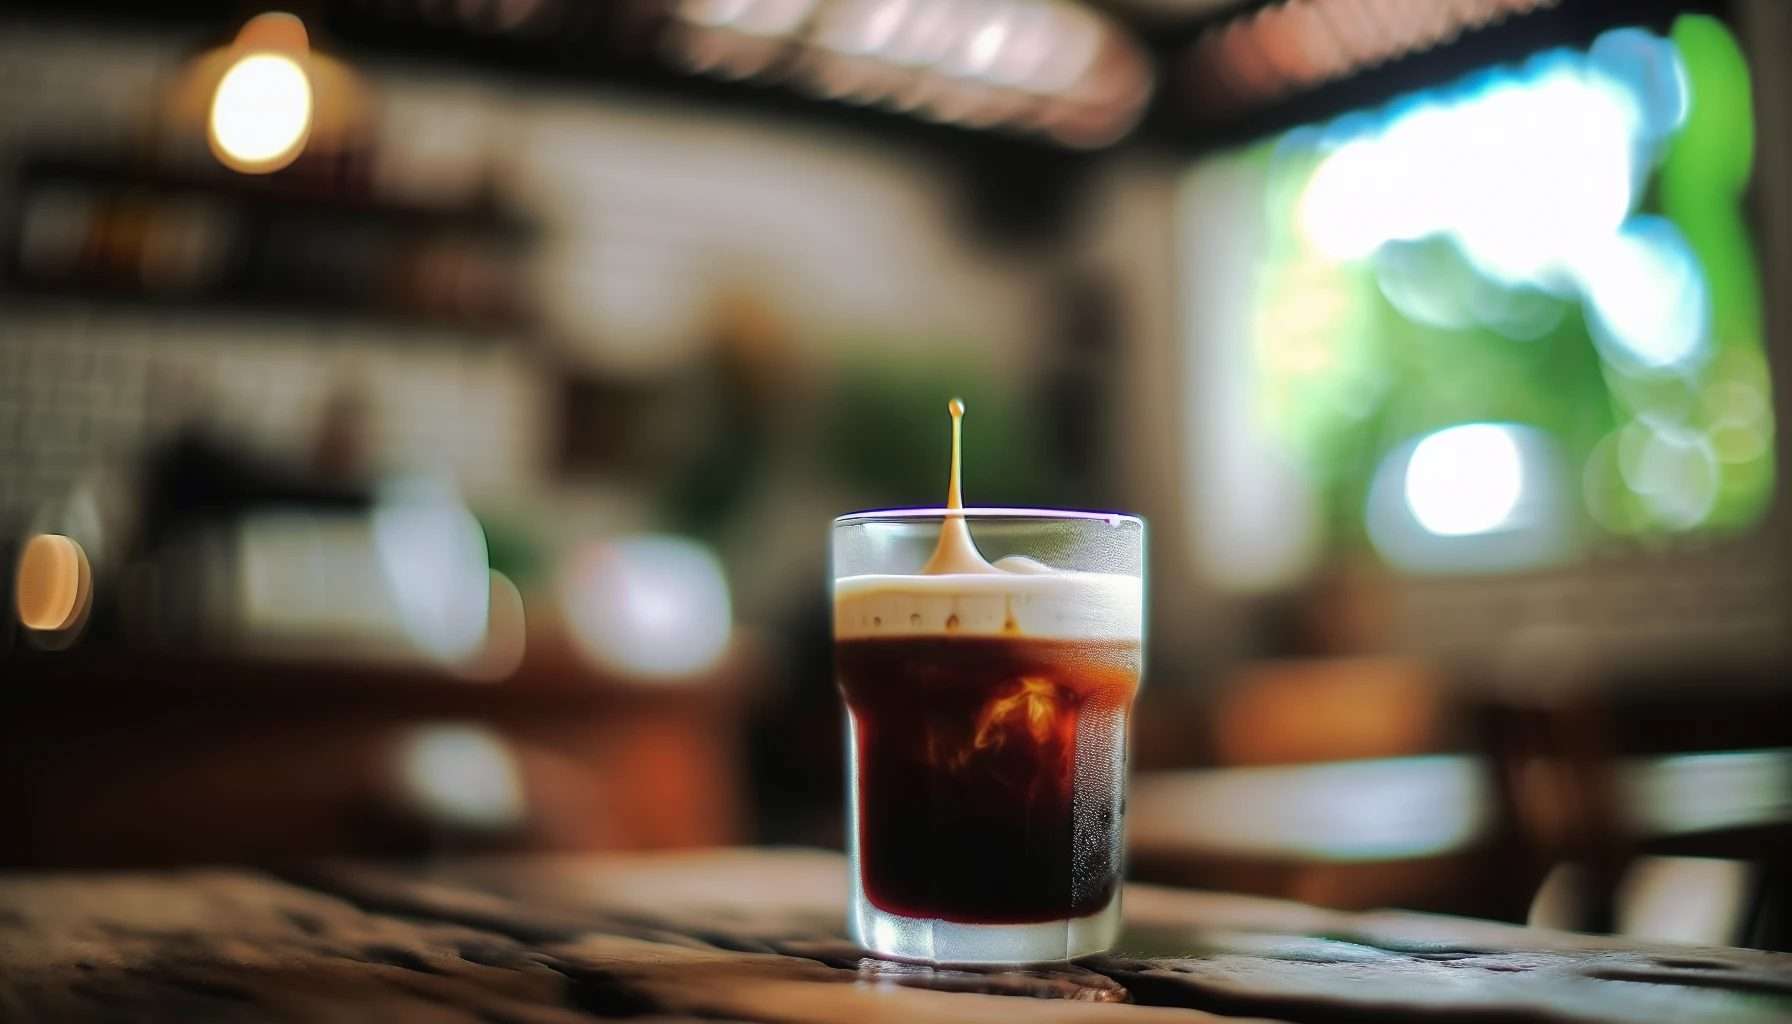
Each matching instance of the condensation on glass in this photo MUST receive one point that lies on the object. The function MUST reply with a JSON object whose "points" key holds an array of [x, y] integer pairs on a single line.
{"points": [[987, 715]]}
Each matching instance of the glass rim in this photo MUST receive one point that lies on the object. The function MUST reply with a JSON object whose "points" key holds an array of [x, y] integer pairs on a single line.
{"points": [[875, 515]]}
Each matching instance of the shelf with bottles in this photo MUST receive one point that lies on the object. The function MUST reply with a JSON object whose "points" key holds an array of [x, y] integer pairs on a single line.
{"points": [[129, 232]]}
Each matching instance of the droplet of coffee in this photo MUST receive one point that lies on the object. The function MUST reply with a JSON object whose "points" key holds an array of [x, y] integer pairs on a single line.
{"points": [[954, 485], [956, 552]]}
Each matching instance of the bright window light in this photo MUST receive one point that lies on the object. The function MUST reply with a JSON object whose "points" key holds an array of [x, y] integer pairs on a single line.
{"points": [[1488, 169], [1485, 325]]}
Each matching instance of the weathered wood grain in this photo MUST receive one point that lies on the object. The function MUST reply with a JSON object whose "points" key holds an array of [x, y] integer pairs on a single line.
{"points": [[754, 936]]}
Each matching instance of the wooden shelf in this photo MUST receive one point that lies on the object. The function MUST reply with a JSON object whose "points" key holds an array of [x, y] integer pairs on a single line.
{"points": [[163, 238]]}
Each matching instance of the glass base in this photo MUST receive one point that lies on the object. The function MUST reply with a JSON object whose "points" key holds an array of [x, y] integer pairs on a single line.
{"points": [[919, 938]]}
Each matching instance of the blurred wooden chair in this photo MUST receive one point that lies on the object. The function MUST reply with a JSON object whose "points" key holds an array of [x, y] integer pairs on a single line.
{"points": [[1644, 795], [1346, 782]]}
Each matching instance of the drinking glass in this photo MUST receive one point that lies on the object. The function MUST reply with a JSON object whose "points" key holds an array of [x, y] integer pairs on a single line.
{"points": [[986, 718]]}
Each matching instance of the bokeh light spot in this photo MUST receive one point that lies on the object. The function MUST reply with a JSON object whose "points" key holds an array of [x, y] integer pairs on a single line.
{"points": [[1646, 295], [648, 606], [1465, 479], [462, 775], [52, 583]]}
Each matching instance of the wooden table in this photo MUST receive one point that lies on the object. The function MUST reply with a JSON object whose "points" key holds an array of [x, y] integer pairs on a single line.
{"points": [[755, 936]]}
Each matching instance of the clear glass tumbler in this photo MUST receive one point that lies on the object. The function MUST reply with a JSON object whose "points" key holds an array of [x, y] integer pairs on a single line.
{"points": [[987, 715]]}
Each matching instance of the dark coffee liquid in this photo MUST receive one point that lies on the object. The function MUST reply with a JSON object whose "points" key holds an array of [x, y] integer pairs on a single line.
{"points": [[990, 773]]}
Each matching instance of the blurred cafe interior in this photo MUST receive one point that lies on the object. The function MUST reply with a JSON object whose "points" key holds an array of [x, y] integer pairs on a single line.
{"points": [[420, 422]]}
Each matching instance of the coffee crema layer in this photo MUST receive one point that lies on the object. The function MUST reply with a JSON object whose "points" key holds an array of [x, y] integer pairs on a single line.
{"points": [[1041, 604]]}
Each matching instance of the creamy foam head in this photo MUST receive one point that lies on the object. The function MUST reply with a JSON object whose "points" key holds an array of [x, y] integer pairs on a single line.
{"points": [[1035, 604], [958, 593]]}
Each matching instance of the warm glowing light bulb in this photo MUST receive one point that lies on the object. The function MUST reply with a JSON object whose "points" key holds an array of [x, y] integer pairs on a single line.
{"points": [[261, 113], [1465, 479]]}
